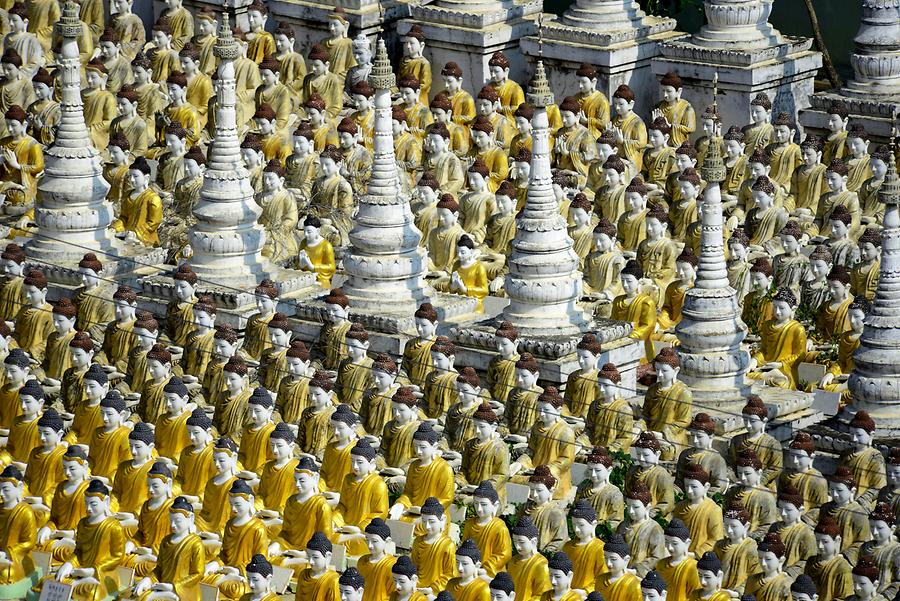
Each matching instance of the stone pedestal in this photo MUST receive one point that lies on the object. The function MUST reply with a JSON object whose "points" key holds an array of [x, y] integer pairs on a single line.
{"points": [[750, 57], [875, 380], [370, 17], [873, 95], [469, 32], [71, 211], [615, 36]]}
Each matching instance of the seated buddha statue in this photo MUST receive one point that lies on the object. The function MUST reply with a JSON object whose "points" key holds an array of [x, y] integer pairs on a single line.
{"points": [[354, 373], [17, 368], [434, 550], [256, 335], [17, 534], [501, 372], [643, 536], [439, 391], [528, 566], [609, 422], [56, 360], [551, 441], [23, 433], [215, 509], [273, 361], [66, 500], [364, 496], [647, 452], [428, 476], [109, 442], [459, 426], [485, 530], [198, 350], [172, 435], [153, 520], [195, 463], [782, 344], [293, 392], [468, 275], [34, 321], [129, 485], [396, 449], [146, 332], [253, 451], [305, 512], [540, 508], [276, 479], [848, 342], [375, 409], [635, 307], [44, 459], [581, 385], [316, 253], [604, 497], [521, 405], [314, 425], [180, 310], [667, 403], [330, 347], [318, 580], [231, 404], [159, 369], [416, 362], [485, 456]]}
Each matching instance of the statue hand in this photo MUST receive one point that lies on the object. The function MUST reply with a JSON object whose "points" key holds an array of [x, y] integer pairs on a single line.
{"points": [[43, 535], [826, 380], [396, 511], [10, 158], [142, 586], [164, 587], [64, 571]]}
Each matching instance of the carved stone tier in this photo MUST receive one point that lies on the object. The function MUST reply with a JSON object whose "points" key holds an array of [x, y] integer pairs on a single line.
{"points": [[390, 333], [873, 95], [370, 17], [556, 355], [875, 379], [750, 57], [469, 32], [615, 36]]}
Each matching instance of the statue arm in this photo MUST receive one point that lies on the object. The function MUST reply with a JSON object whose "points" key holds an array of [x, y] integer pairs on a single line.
{"points": [[25, 539]]}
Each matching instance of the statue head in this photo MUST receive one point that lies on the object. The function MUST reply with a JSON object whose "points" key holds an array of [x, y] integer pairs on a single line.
{"points": [[260, 407], [413, 42], [35, 288], [653, 587], [199, 428], [362, 50], [321, 389], [257, 15], [498, 68]]}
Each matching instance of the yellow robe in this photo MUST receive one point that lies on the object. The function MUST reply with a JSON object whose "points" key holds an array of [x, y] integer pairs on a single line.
{"points": [[44, 472], [521, 410], [682, 118], [463, 107], [799, 542], [704, 521], [108, 450], [322, 258], [769, 589], [555, 448], [42, 16], [739, 562], [669, 411], [182, 23], [141, 214], [44, 116], [198, 351], [377, 576], [647, 544], [530, 576], [494, 542], [231, 413], [833, 321], [785, 343], [397, 443], [595, 107], [497, 162], [30, 157], [276, 484], [195, 469], [23, 437], [330, 87], [293, 398], [661, 485], [641, 313], [610, 424], [215, 511], [254, 450], [476, 590], [352, 381], [361, 500], [18, 536], [33, 328], [241, 543], [375, 411], [485, 461], [634, 133], [501, 375], [417, 360], [436, 562], [832, 577], [681, 579], [181, 564], [261, 45], [153, 524], [864, 279], [171, 435], [433, 480], [626, 588], [67, 508], [315, 430], [256, 336], [323, 588], [11, 297], [87, 416], [607, 501], [57, 359], [118, 340], [303, 519], [130, 485], [439, 393], [588, 562], [272, 367], [102, 547]]}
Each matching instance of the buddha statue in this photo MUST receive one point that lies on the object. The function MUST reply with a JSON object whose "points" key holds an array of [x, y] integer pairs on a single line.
{"points": [[301, 165], [814, 291], [832, 318], [34, 321], [362, 54], [24, 432], [487, 531], [44, 459], [798, 536], [586, 549], [432, 549], [485, 456], [701, 515], [354, 374], [159, 371], [808, 180], [418, 117], [872, 209], [12, 296], [865, 462], [279, 214], [23, 162], [755, 415], [501, 373], [318, 580], [667, 403], [659, 157], [678, 572], [468, 585], [771, 582], [276, 477], [594, 113], [547, 516], [364, 497], [253, 452], [181, 127], [866, 575], [141, 212], [244, 537], [44, 113], [375, 566], [523, 139], [782, 345], [673, 299], [16, 87], [551, 442], [582, 227], [66, 498], [656, 254], [678, 113], [603, 265], [701, 431], [442, 241], [521, 404], [459, 426], [759, 133], [604, 497], [316, 253], [628, 129], [129, 485], [396, 448], [274, 103], [314, 432], [181, 557], [56, 359], [857, 157], [146, 333], [375, 406], [256, 336], [502, 128], [305, 512], [865, 273], [293, 392], [195, 463], [231, 404], [758, 308], [735, 173], [130, 125], [439, 158], [800, 474], [642, 535], [501, 230], [836, 177], [99, 102], [94, 311], [109, 442], [647, 452], [358, 584], [336, 459], [91, 564], [573, 147], [118, 336], [828, 571], [561, 573], [848, 342], [216, 509], [363, 113], [835, 142], [17, 370], [428, 476], [609, 199], [528, 567], [153, 521], [784, 154], [617, 583], [882, 548], [846, 511], [417, 362], [330, 346], [710, 575], [765, 219], [273, 361], [198, 350]]}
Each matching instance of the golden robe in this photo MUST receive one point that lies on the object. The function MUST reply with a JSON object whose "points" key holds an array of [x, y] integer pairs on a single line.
{"points": [[441, 246], [330, 87], [241, 543], [610, 424], [108, 450], [67, 508], [595, 107], [315, 430], [118, 340], [833, 321], [377, 576], [433, 480], [101, 547], [439, 393], [682, 118], [18, 536], [153, 524], [303, 519], [87, 417], [869, 469], [23, 437], [799, 543], [352, 381], [776, 588], [807, 186], [661, 485], [322, 258], [44, 472], [501, 375], [521, 410], [273, 367], [555, 448], [322, 588], [261, 45], [704, 521], [198, 352], [195, 469], [141, 214], [437, 561], [530, 576], [641, 313], [30, 157], [832, 577], [634, 133], [33, 328], [588, 562], [57, 359], [11, 297], [784, 343], [864, 279], [739, 562], [607, 500], [647, 544], [361, 500], [276, 484], [494, 542], [485, 461], [254, 452], [231, 413], [397, 443], [130, 485], [476, 590], [216, 510], [669, 411], [375, 411], [680, 579], [181, 564], [626, 588]]}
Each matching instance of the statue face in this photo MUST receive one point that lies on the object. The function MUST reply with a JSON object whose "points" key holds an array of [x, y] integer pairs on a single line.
{"points": [[412, 47], [683, 161], [175, 404], [80, 358], [622, 106], [362, 54], [223, 461], [700, 439], [789, 512], [95, 506], [319, 397], [836, 123], [280, 447], [405, 585], [110, 417], [337, 28], [269, 77], [857, 319], [108, 50], [879, 167], [184, 290], [375, 544], [63, 324], [198, 436], [424, 450], [30, 405], [759, 114], [569, 118], [433, 526], [94, 390], [615, 563], [657, 138], [857, 146], [629, 283], [124, 310], [670, 94], [306, 482], [560, 581], [676, 546], [783, 134], [636, 510], [256, 19], [868, 252], [157, 369], [409, 96], [179, 523], [484, 430], [733, 149], [74, 470], [35, 296], [318, 67], [161, 39], [466, 567], [348, 593], [826, 545], [810, 156], [498, 74], [157, 488], [584, 529], [140, 450]]}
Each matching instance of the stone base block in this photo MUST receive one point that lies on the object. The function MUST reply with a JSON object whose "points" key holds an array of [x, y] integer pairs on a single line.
{"points": [[390, 333], [785, 73], [874, 114], [556, 356], [620, 57], [471, 38]]}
